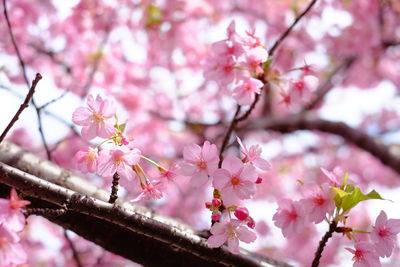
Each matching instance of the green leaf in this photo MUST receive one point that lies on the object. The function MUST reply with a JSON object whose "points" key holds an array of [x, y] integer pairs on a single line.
{"points": [[339, 195], [349, 188], [352, 199], [122, 127]]}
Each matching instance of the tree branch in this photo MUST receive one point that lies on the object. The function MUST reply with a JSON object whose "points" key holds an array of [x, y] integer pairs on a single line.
{"points": [[351, 135], [23, 106], [288, 30], [140, 237]]}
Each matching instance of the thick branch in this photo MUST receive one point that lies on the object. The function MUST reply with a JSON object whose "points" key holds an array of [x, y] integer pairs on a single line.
{"points": [[148, 240], [351, 135]]}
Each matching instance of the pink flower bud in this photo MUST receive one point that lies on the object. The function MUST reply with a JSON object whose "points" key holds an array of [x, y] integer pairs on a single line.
{"points": [[216, 216], [125, 141], [251, 223], [208, 205], [216, 202], [259, 180], [241, 213]]}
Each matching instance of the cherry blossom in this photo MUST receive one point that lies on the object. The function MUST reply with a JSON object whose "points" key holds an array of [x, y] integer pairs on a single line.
{"points": [[235, 180], [150, 191], [230, 231], [319, 203], [245, 91], [11, 251], [200, 162], [118, 159], [364, 255], [11, 211], [95, 118], [253, 156], [384, 235], [86, 160], [290, 217]]}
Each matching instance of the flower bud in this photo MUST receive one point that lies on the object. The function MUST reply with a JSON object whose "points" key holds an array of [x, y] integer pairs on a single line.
{"points": [[251, 223], [216, 202], [241, 213], [216, 216], [259, 180]]}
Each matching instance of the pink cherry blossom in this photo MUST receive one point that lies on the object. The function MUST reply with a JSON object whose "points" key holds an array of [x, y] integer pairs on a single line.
{"points": [[319, 203], [170, 174], [95, 118], [150, 191], [253, 156], [118, 159], [384, 235], [235, 180], [11, 211], [244, 92], [11, 252], [200, 162], [290, 217], [86, 160], [230, 231], [333, 177], [364, 255]]}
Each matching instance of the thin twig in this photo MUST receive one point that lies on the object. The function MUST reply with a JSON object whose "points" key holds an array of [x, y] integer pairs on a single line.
{"points": [[228, 135], [23, 106], [54, 100], [322, 243], [288, 30], [24, 73], [325, 87]]}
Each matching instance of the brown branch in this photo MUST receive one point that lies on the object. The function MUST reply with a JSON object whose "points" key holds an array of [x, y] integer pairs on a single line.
{"points": [[351, 135], [228, 135], [140, 237], [114, 188], [288, 30], [23, 106], [322, 243]]}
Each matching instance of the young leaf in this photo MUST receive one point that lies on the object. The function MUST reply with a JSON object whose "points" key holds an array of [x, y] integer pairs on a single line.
{"points": [[351, 200]]}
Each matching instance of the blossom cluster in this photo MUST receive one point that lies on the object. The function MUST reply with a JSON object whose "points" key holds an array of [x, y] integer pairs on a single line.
{"points": [[117, 153], [12, 221], [237, 62], [234, 181], [332, 202]]}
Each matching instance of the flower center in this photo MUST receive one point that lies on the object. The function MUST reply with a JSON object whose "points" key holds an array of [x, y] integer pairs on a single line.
{"points": [[98, 117], [383, 232], [235, 180], [319, 200], [202, 165]]}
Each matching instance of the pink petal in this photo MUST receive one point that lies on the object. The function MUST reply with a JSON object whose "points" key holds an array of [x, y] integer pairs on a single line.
{"points": [[245, 235], [221, 178], [82, 116], [233, 164], [191, 153], [216, 241]]}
